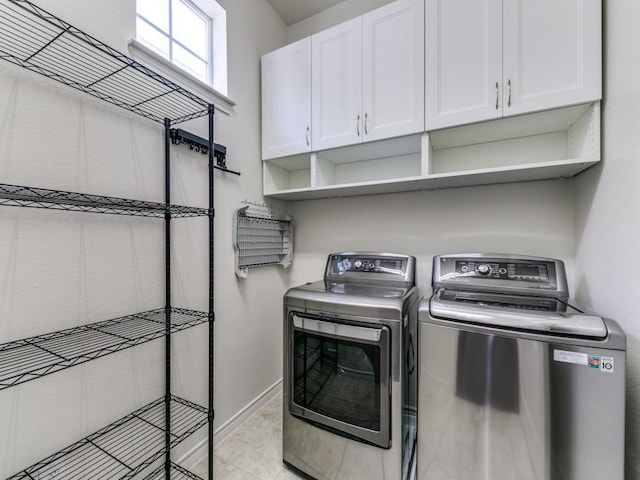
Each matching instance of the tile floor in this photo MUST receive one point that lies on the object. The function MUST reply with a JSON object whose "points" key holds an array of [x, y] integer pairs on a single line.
{"points": [[254, 450]]}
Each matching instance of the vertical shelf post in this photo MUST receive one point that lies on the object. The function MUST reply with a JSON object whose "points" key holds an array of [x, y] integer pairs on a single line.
{"points": [[167, 279], [211, 114]]}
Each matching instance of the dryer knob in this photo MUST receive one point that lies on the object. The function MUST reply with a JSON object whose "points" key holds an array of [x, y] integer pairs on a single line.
{"points": [[483, 269], [357, 264]]}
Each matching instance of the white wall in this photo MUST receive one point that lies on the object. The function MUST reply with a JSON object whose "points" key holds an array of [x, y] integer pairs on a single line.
{"points": [[608, 205], [63, 269], [339, 13], [534, 218]]}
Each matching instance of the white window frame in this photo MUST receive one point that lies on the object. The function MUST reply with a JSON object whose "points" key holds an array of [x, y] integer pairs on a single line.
{"points": [[207, 60], [217, 74]]}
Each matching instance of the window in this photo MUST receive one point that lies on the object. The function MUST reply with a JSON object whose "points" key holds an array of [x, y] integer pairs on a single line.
{"points": [[179, 31]]}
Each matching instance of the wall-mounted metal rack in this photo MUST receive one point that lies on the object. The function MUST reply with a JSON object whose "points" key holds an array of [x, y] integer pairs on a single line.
{"points": [[42, 43], [201, 145], [260, 239]]}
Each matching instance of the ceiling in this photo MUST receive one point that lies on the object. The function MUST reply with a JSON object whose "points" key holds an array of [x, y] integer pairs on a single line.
{"points": [[292, 11]]}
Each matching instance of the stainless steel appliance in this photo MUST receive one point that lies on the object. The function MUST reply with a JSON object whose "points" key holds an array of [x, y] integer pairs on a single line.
{"points": [[515, 381], [350, 378]]}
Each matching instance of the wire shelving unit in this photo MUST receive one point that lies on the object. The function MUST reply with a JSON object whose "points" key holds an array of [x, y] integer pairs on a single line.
{"points": [[139, 445]]}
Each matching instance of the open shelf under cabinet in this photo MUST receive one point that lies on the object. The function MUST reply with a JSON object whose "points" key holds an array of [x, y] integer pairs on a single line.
{"points": [[543, 145]]}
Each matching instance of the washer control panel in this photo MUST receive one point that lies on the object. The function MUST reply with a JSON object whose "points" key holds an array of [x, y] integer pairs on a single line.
{"points": [[360, 266], [521, 274], [526, 272]]}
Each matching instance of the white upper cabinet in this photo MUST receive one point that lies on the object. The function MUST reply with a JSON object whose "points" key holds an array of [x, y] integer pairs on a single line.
{"points": [[491, 58], [393, 70], [463, 61], [286, 100], [552, 54], [337, 85], [368, 77]]}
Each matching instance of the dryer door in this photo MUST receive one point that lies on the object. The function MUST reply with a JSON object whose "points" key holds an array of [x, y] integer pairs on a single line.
{"points": [[340, 377]]}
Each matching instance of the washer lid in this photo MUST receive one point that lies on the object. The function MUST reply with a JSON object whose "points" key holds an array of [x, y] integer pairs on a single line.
{"points": [[517, 312]]}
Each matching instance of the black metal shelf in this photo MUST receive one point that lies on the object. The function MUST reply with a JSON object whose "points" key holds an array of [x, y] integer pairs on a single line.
{"points": [[30, 358], [15, 195], [42, 43], [176, 473], [127, 447]]}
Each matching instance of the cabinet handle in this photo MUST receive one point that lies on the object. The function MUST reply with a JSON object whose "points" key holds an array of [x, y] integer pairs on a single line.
{"points": [[358, 125], [365, 124], [509, 99], [307, 137], [497, 95]]}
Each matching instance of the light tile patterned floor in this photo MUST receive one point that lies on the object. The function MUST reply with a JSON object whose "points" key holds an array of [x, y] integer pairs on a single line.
{"points": [[254, 450]]}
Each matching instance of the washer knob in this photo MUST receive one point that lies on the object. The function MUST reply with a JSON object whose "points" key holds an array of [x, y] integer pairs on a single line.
{"points": [[344, 265], [357, 264], [483, 269]]}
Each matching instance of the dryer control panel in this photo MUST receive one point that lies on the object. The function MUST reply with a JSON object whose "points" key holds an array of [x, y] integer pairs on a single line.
{"points": [[500, 273], [362, 267]]}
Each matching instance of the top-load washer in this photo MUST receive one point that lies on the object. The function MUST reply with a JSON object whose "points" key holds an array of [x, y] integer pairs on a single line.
{"points": [[350, 379], [516, 382]]}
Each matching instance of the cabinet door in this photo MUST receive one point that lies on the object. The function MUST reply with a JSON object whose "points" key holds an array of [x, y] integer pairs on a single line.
{"points": [[286, 100], [552, 54], [463, 80], [393, 70], [337, 86]]}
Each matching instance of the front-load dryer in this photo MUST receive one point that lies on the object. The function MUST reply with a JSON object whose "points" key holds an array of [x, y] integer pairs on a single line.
{"points": [[350, 378]]}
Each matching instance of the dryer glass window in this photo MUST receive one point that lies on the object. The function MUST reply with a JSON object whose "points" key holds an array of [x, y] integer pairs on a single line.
{"points": [[338, 379]]}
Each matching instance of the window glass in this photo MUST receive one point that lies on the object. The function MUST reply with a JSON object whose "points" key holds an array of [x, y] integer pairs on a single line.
{"points": [[190, 29], [177, 30], [153, 38], [337, 378], [155, 12], [194, 65]]}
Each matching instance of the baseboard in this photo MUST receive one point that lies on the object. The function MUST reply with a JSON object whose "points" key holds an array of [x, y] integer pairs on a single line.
{"points": [[199, 452]]}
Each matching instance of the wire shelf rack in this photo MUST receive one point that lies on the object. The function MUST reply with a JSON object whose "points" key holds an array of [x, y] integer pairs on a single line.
{"points": [[21, 196], [124, 449], [30, 358], [261, 240], [176, 473], [42, 43]]}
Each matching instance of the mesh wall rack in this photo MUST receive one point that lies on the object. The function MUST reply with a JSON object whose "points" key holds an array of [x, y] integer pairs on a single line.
{"points": [[138, 445]]}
